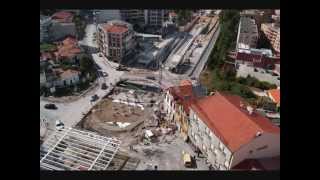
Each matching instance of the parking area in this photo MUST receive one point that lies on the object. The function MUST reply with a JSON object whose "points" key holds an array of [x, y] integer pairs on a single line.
{"points": [[261, 74]]}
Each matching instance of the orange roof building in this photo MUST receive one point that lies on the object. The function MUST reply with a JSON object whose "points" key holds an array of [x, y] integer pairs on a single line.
{"points": [[274, 95], [234, 128]]}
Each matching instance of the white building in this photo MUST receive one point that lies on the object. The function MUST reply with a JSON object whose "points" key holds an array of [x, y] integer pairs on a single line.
{"points": [[66, 78], [228, 132]]}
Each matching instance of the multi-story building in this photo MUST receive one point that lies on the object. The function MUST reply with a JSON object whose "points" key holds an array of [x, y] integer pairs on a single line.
{"points": [[177, 102], [227, 131], [262, 58], [143, 17], [116, 40], [272, 32], [45, 23], [156, 17], [247, 33]]}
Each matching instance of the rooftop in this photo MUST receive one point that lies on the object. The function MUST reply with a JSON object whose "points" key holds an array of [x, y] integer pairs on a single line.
{"points": [[63, 16], [68, 48], [116, 26], [65, 74], [275, 94], [233, 124]]}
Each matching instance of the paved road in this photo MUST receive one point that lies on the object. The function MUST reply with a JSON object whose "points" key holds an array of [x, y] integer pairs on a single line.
{"points": [[204, 58], [71, 113]]}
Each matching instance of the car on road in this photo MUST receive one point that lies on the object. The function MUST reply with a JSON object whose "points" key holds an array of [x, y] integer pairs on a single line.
{"points": [[94, 98], [50, 106], [104, 86], [59, 125], [100, 54]]}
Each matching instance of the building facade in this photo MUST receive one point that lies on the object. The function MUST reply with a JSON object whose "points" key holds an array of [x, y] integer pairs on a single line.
{"points": [[272, 32], [247, 33], [228, 132], [262, 58], [144, 17], [116, 40]]}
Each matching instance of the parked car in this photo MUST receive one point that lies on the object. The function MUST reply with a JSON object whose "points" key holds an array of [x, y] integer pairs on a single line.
{"points": [[59, 125], [94, 98], [50, 106], [104, 86], [255, 70]]}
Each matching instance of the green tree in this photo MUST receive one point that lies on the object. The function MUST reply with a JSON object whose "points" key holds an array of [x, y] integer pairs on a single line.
{"points": [[86, 64], [80, 25]]}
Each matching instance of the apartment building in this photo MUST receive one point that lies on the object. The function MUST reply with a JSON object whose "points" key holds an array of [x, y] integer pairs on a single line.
{"points": [[247, 33], [116, 40], [228, 131], [177, 102], [272, 32], [45, 23], [262, 58], [145, 17]]}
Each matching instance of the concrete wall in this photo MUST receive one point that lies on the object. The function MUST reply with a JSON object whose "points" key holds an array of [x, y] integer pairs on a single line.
{"points": [[272, 141], [209, 144]]}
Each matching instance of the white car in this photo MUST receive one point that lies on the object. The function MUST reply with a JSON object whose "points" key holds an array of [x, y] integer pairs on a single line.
{"points": [[59, 125]]}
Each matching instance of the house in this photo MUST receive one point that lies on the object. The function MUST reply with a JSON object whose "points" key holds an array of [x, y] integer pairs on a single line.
{"points": [[62, 25], [176, 104], [63, 17], [274, 95], [68, 49], [66, 77], [228, 131]]}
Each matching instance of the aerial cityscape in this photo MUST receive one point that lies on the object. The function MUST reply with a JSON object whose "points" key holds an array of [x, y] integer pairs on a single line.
{"points": [[159, 89]]}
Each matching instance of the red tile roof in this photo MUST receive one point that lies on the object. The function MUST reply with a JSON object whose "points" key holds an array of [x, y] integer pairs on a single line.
{"points": [[68, 48], [63, 16], [275, 94], [233, 125], [181, 92], [114, 28]]}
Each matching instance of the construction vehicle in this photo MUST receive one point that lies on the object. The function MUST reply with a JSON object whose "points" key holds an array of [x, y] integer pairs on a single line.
{"points": [[186, 159]]}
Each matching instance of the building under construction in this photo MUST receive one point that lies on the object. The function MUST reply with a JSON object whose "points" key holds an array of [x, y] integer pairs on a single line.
{"points": [[72, 149]]}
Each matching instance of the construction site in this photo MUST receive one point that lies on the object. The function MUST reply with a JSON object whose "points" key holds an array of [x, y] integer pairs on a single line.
{"points": [[147, 141]]}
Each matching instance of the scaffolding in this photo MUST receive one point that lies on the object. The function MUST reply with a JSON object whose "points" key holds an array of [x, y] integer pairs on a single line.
{"points": [[72, 149]]}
